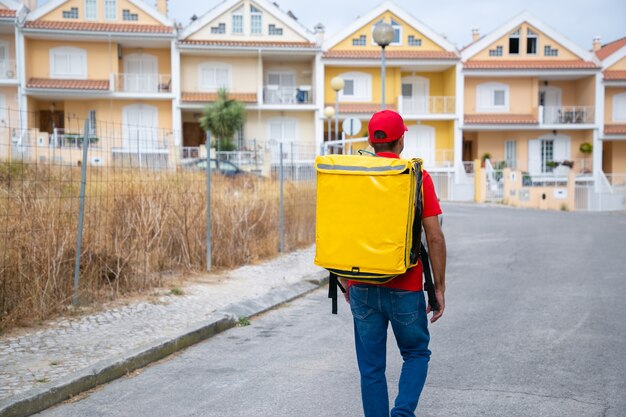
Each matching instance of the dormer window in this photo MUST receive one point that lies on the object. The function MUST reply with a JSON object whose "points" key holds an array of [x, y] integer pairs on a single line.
{"points": [[531, 42], [91, 9], [256, 21], [514, 43], [238, 21], [110, 9]]}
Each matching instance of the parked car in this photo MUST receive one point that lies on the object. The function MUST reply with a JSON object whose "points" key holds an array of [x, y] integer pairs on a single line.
{"points": [[222, 167]]}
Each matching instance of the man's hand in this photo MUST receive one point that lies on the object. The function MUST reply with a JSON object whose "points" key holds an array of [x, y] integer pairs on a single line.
{"points": [[344, 284], [441, 299]]}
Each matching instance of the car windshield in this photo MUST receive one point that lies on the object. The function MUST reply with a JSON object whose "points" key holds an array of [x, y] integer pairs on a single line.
{"points": [[227, 167], [202, 164]]}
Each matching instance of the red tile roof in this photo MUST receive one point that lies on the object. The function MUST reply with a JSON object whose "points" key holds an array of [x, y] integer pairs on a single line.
{"points": [[529, 64], [206, 97], [610, 48], [252, 44], [615, 130], [615, 75], [360, 107], [7, 13], [99, 27], [352, 54], [500, 119], [100, 85]]}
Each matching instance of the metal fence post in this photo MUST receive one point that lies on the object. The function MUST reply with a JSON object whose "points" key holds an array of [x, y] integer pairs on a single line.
{"points": [[81, 208], [208, 204], [281, 248]]}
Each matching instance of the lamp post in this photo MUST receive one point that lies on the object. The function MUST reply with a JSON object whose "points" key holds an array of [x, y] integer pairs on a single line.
{"points": [[329, 112], [383, 36], [337, 84]]}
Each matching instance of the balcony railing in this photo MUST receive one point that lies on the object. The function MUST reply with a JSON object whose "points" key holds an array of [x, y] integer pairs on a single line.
{"points": [[275, 94], [427, 105], [7, 69], [551, 115], [70, 140], [143, 83]]}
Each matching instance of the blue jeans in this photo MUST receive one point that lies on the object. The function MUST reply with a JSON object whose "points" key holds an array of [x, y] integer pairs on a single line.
{"points": [[373, 307]]}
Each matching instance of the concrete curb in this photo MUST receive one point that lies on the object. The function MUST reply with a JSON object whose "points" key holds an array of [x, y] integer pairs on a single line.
{"points": [[109, 369]]}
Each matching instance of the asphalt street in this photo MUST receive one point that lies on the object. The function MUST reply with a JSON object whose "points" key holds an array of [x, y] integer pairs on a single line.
{"points": [[535, 325]]}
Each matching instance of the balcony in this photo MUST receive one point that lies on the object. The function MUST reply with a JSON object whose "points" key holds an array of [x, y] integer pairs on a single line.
{"points": [[559, 115], [142, 83], [276, 94], [7, 69], [431, 105]]}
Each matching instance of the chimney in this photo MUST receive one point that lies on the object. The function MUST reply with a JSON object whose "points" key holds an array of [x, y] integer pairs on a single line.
{"points": [[31, 4], [319, 33], [475, 34], [597, 44], [161, 6]]}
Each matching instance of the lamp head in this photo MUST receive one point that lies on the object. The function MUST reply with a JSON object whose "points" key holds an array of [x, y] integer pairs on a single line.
{"points": [[329, 112], [383, 34], [337, 83]]}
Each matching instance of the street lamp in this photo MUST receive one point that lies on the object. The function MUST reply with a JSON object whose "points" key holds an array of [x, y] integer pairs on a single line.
{"points": [[329, 112], [383, 36], [337, 84]]}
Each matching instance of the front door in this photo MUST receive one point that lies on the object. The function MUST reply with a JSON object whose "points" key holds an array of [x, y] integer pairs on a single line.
{"points": [[419, 142], [415, 95], [141, 74], [140, 123]]}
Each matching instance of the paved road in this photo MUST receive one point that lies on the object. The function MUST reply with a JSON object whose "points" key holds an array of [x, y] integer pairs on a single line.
{"points": [[535, 326]]}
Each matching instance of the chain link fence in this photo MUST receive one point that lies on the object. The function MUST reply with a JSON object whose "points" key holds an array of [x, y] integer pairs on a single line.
{"points": [[145, 210]]}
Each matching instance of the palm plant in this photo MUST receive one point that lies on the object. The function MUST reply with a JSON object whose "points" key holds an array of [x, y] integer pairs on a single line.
{"points": [[223, 118]]}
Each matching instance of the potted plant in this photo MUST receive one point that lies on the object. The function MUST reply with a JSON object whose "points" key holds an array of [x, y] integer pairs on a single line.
{"points": [[586, 148]]}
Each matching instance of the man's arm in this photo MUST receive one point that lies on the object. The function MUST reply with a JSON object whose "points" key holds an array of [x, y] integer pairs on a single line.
{"points": [[437, 250]]}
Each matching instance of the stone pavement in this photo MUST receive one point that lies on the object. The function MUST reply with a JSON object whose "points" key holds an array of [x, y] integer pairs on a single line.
{"points": [[34, 363]]}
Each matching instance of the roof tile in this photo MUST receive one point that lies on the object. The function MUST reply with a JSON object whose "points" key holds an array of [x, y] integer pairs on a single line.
{"points": [[352, 54], [99, 27], [501, 119], [250, 44], [367, 108], [529, 64], [207, 97], [610, 48], [100, 85], [615, 75], [7, 13], [615, 129]]}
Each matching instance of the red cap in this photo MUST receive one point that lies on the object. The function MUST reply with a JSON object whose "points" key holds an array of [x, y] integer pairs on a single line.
{"points": [[389, 122]]}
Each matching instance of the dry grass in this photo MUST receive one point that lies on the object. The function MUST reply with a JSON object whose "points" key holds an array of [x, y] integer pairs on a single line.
{"points": [[139, 226]]}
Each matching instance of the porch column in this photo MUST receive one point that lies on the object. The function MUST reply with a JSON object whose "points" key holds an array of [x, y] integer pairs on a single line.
{"points": [[177, 126], [318, 82], [20, 66], [458, 123], [598, 131]]}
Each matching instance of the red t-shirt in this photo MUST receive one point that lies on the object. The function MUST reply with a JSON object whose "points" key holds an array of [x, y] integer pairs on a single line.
{"points": [[411, 280]]}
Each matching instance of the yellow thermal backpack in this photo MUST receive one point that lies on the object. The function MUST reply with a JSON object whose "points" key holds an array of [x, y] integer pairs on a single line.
{"points": [[368, 216]]}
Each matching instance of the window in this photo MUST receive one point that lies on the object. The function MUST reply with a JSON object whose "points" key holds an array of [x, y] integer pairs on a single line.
{"points": [[357, 88], [397, 32], [413, 41], [91, 9], [238, 21], [619, 107], [110, 9], [531, 42], [214, 75], [492, 97], [496, 52], [127, 15], [273, 30], [68, 63], [543, 151], [360, 41], [514, 43], [256, 21], [510, 153], [548, 51], [282, 129], [220, 28], [71, 14], [547, 155]]}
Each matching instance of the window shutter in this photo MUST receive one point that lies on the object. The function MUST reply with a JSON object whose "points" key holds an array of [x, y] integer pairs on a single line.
{"points": [[561, 153], [483, 98], [221, 78], [534, 156], [619, 107]]}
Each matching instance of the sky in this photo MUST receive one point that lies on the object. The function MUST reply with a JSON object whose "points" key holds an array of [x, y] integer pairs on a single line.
{"points": [[578, 20]]}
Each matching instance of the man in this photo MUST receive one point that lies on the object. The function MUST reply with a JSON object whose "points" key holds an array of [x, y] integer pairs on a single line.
{"points": [[400, 302]]}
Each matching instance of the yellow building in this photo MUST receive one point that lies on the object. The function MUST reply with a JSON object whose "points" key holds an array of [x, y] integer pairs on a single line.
{"points": [[264, 58], [420, 82], [613, 57], [110, 56], [9, 83], [530, 101]]}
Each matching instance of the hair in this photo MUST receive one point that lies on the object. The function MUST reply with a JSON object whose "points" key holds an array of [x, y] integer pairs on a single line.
{"points": [[383, 146]]}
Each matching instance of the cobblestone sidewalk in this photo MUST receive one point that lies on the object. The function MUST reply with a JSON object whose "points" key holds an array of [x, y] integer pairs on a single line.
{"points": [[65, 346]]}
